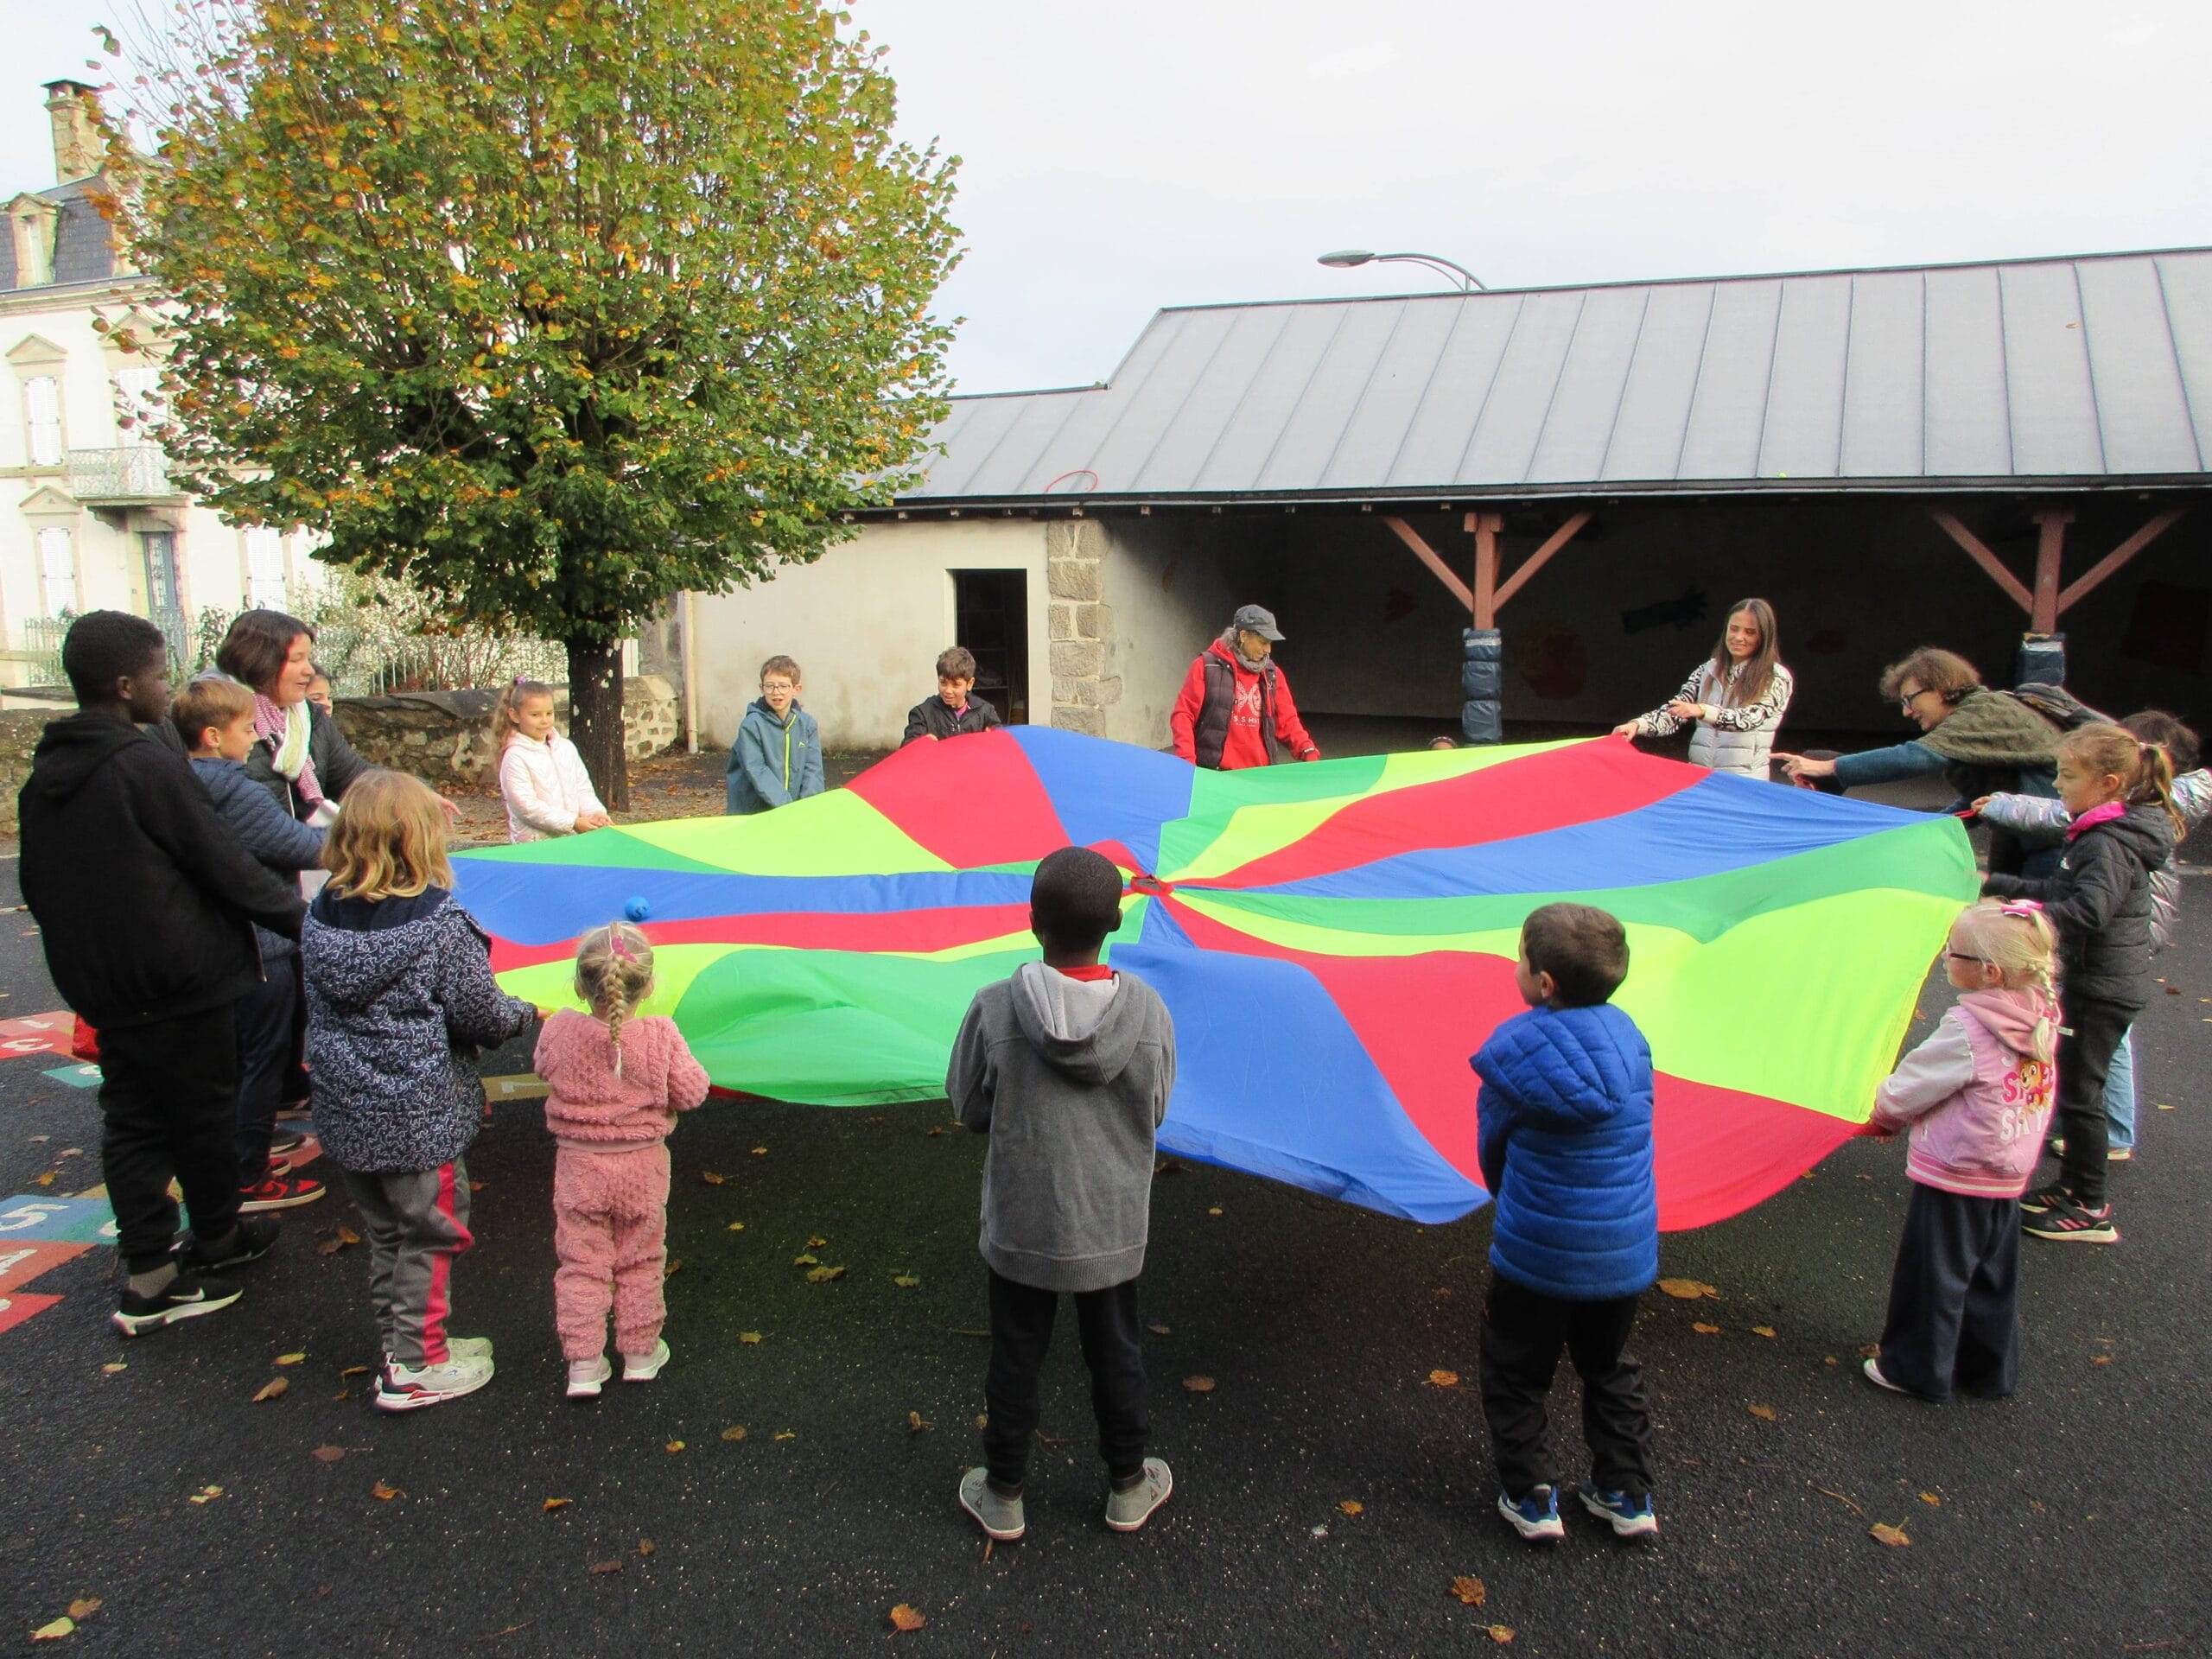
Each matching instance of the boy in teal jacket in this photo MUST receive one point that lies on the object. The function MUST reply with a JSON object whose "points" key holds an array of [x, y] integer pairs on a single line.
{"points": [[777, 759]]}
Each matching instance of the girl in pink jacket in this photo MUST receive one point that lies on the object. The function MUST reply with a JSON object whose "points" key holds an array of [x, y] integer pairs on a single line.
{"points": [[1977, 1095], [618, 1082]]}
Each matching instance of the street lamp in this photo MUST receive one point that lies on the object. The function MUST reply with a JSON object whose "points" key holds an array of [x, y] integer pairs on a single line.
{"points": [[1345, 259]]}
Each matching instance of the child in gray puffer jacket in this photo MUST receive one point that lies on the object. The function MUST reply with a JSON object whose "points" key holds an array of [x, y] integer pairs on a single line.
{"points": [[400, 998], [1067, 1067]]}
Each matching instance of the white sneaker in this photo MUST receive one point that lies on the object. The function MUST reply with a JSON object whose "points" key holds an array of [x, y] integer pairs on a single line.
{"points": [[585, 1376], [469, 1347], [643, 1368], [403, 1388]]}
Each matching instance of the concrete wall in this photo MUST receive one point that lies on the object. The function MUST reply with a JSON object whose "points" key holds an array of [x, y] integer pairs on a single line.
{"points": [[865, 622], [1170, 584]]}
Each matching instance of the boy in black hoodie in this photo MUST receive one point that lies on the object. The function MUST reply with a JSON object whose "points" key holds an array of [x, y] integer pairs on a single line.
{"points": [[143, 900]]}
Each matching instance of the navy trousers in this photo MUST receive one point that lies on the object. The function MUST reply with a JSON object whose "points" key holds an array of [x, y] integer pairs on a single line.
{"points": [[1954, 1317], [1523, 1332]]}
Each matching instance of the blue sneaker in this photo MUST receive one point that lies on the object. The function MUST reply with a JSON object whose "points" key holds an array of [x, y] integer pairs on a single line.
{"points": [[1630, 1517], [1536, 1518]]}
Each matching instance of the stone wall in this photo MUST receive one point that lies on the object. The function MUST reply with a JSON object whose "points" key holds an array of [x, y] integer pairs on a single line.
{"points": [[445, 737], [1079, 625], [19, 733]]}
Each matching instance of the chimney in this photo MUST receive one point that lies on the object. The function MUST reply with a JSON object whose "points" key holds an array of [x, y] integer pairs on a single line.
{"points": [[78, 150]]}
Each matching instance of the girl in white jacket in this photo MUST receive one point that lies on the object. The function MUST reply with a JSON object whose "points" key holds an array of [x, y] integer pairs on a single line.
{"points": [[542, 777]]}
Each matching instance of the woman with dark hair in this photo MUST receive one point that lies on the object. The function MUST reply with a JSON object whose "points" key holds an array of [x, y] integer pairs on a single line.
{"points": [[1736, 697], [299, 755]]}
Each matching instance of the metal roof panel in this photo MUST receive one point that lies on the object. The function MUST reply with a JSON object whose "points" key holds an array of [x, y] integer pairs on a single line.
{"points": [[1388, 403], [1587, 398], [1968, 416], [2053, 407], [1445, 419], [1728, 411], [1802, 435], [1886, 368], [1646, 441], [1504, 439], [2142, 409]]}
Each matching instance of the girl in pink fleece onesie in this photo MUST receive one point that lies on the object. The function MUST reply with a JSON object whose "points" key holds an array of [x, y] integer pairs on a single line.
{"points": [[618, 1082], [1978, 1096]]}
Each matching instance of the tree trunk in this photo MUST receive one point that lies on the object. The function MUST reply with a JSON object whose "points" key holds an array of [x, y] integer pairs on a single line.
{"points": [[595, 718]]}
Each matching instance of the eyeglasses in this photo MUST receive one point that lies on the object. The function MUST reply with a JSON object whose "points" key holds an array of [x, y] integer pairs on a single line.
{"points": [[778, 685], [1906, 699], [1962, 956]]}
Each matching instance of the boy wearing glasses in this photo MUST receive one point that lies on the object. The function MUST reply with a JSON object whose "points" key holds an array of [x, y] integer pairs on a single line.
{"points": [[777, 759]]}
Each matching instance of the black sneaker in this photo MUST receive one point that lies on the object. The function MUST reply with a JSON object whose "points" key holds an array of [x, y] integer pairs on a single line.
{"points": [[283, 1144], [2070, 1221], [185, 1297], [251, 1240], [2039, 1201]]}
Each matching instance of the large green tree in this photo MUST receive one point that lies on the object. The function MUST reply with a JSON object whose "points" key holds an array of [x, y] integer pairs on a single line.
{"points": [[551, 308]]}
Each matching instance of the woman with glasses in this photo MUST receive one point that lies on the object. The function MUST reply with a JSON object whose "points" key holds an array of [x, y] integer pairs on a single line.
{"points": [[1981, 741], [1736, 697]]}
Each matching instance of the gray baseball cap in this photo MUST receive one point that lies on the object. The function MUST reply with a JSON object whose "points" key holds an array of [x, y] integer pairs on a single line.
{"points": [[1257, 619]]}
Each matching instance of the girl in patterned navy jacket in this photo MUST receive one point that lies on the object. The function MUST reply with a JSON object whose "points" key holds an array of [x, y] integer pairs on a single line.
{"points": [[400, 998], [1977, 1095]]}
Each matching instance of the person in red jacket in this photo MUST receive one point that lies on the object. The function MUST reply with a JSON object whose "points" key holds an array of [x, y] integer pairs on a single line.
{"points": [[1235, 709]]}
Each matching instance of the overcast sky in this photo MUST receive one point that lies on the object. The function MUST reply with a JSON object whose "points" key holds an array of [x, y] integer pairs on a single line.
{"points": [[1121, 157]]}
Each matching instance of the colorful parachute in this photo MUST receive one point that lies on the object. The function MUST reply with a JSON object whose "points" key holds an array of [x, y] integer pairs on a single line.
{"points": [[1334, 940]]}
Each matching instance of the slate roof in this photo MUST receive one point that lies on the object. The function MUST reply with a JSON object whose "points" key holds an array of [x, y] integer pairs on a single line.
{"points": [[2063, 373], [82, 250]]}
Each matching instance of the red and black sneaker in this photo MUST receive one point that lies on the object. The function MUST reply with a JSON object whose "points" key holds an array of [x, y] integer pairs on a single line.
{"points": [[2069, 1220], [276, 1192]]}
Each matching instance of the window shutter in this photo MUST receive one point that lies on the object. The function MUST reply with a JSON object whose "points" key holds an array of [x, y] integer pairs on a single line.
{"points": [[57, 570], [42, 397]]}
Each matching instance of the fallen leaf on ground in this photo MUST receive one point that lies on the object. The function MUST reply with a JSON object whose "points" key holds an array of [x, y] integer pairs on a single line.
{"points": [[384, 1493], [787, 1435], [206, 1495], [328, 1247], [1440, 1379], [46, 1179], [552, 1504], [735, 1432], [737, 1226], [1762, 1330], [1215, 1211], [806, 1259], [824, 1276], [906, 1281], [1471, 1591], [1687, 1290], [1931, 1500], [1351, 1506], [287, 1359], [904, 1617], [1870, 1349], [1199, 1384], [354, 1370], [815, 1243], [675, 1266], [645, 1545], [54, 1629], [1167, 1166], [1764, 1413], [1883, 1532], [601, 1569], [750, 1338], [760, 1152], [676, 1446], [982, 1420], [1502, 1634], [711, 1178], [1157, 1330], [328, 1453], [84, 1608], [935, 1129], [914, 1423], [274, 1389], [2100, 1359], [1704, 1330], [115, 1365]]}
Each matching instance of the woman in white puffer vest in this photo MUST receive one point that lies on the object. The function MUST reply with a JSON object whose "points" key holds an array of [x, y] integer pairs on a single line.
{"points": [[1737, 697]]}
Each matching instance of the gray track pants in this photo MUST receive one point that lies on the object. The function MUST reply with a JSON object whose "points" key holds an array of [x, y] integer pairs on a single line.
{"points": [[417, 1222]]}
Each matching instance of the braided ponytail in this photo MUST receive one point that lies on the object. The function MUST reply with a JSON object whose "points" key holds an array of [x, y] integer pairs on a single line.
{"points": [[614, 972]]}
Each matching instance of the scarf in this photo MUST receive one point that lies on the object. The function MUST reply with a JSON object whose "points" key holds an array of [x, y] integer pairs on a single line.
{"points": [[1994, 729], [288, 731]]}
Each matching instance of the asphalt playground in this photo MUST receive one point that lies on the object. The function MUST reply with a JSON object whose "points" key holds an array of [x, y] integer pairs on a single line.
{"points": [[789, 1480]]}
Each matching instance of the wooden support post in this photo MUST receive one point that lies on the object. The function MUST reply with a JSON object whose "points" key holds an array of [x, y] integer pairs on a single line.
{"points": [[1487, 527], [1429, 556], [2128, 549], [1536, 560], [2051, 541], [2015, 589]]}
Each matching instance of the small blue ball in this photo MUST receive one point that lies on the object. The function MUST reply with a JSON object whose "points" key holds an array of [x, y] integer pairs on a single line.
{"points": [[636, 910]]}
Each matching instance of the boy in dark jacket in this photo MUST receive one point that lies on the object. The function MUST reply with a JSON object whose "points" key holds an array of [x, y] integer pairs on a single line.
{"points": [[1067, 1067], [213, 716], [144, 900], [953, 712], [1563, 1132]]}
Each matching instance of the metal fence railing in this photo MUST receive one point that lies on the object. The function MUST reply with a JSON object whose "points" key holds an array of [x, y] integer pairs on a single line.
{"points": [[42, 647]]}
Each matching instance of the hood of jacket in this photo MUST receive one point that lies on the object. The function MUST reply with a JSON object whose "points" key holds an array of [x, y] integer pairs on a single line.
{"points": [[781, 722], [2024, 1021], [359, 957], [1227, 653], [1566, 1066], [2145, 831], [1081, 1027], [74, 749]]}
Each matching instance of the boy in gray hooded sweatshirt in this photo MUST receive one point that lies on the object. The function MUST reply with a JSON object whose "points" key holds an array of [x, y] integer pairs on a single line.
{"points": [[1067, 1067]]}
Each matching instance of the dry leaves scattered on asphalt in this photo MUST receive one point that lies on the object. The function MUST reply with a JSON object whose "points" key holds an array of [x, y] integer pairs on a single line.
{"points": [[1157, 1330], [287, 1359], [735, 1432], [711, 1178], [337, 1242], [205, 1495], [807, 1259], [553, 1504], [1687, 1290], [328, 1453], [904, 1617], [1762, 1330], [736, 1227], [1883, 1532], [675, 1446], [1764, 1413], [645, 1545], [274, 1389], [115, 1365], [54, 1629], [750, 1338], [1469, 1590], [1704, 1330], [384, 1493], [1502, 1634], [1351, 1506], [914, 1423], [1440, 1379], [601, 1569], [1931, 1500], [1199, 1384], [906, 1281], [824, 1276]]}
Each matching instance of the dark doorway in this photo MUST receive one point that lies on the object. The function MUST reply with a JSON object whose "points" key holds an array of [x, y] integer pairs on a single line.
{"points": [[990, 611]]}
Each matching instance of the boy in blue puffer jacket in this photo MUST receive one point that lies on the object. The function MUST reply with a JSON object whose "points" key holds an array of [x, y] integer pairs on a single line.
{"points": [[1563, 1131]]}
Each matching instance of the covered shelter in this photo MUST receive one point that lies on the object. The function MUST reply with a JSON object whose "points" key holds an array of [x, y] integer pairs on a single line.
{"points": [[1537, 504]]}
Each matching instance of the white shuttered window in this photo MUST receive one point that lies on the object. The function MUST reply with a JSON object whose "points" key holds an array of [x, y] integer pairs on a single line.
{"points": [[264, 568], [43, 405], [57, 570]]}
